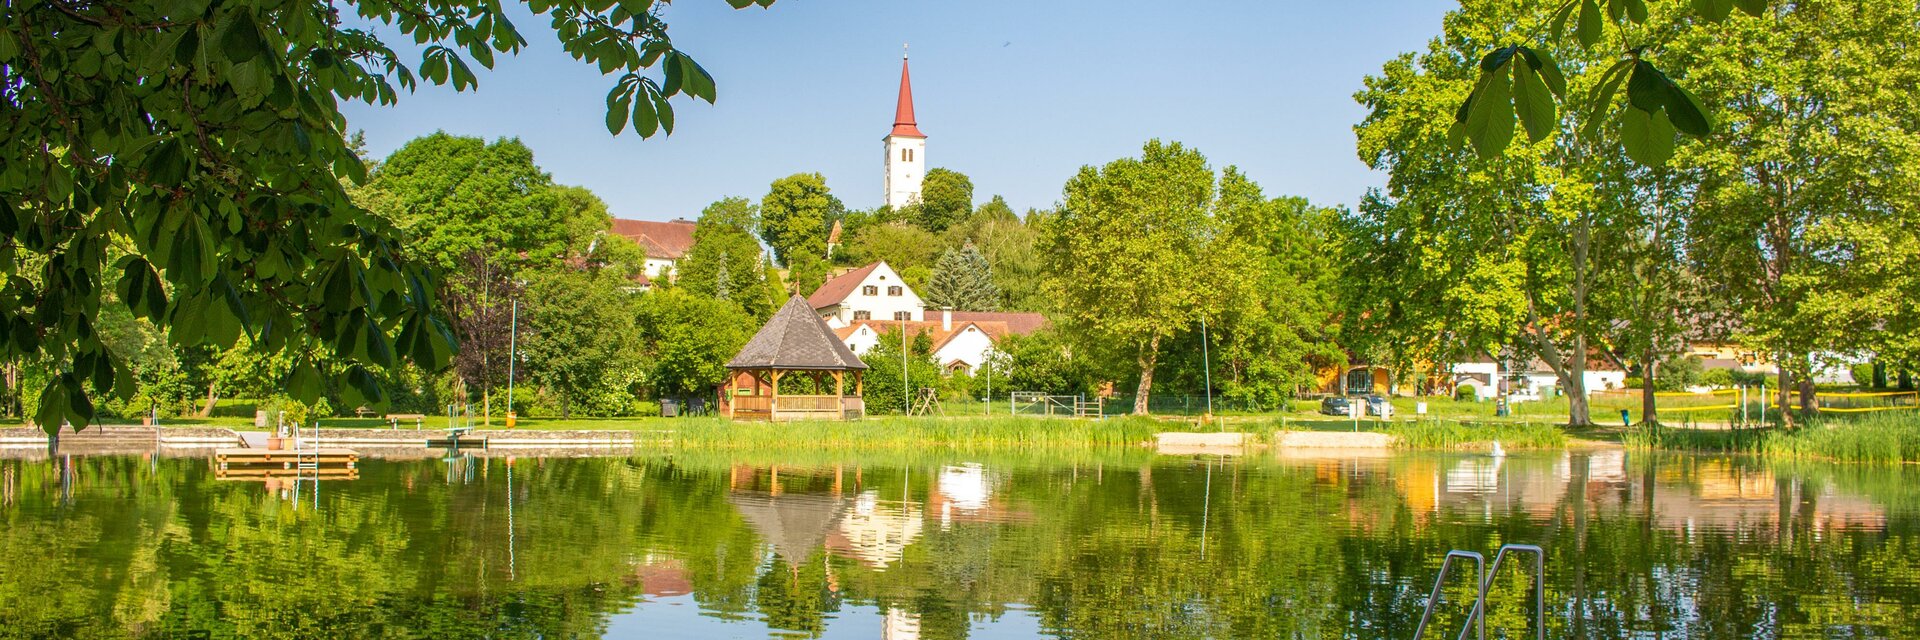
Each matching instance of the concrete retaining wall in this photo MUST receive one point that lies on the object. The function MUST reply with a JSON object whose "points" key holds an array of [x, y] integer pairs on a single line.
{"points": [[1333, 440]]}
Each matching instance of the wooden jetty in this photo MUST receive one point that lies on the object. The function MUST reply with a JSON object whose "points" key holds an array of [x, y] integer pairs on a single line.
{"points": [[285, 458], [271, 474]]}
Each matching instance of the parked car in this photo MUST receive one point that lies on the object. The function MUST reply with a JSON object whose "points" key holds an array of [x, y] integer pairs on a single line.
{"points": [[1335, 406], [1379, 406]]}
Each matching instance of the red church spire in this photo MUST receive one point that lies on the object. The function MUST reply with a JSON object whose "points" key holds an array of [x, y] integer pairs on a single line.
{"points": [[903, 112]]}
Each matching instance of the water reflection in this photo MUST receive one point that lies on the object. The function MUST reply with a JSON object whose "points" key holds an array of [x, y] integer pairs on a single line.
{"points": [[1110, 545]]}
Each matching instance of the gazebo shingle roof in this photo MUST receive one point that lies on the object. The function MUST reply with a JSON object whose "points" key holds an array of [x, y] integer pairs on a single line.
{"points": [[796, 338]]}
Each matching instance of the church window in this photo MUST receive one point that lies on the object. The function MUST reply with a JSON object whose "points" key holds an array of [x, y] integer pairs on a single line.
{"points": [[863, 315], [909, 155], [903, 315], [893, 291], [903, 155], [869, 290]]}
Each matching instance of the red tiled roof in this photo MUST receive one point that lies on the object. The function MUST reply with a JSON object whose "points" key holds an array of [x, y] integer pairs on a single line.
{"points": [[903, 111], [836, 290], [935, 333], [1017, 322], [664, 240]]}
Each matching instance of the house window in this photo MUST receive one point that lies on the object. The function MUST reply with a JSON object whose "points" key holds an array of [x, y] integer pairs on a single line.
{"points": [[893, 291], [903, 315], [869, 290], [863, 315]]}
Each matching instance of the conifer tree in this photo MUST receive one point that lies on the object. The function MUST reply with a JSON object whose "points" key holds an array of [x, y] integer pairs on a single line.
{"points": [[962, 279]]}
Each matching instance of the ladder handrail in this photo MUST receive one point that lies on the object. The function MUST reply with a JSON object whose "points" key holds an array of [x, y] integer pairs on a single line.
{"points": [[1480, 565], [1484, 584], [1539, 589]]}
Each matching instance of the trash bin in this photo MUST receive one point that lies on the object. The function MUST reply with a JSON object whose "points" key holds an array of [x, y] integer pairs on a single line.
{"points": [[669, 408]]}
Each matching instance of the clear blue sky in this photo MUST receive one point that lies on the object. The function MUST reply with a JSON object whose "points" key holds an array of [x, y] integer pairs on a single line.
{"points": [[1016, 94]]}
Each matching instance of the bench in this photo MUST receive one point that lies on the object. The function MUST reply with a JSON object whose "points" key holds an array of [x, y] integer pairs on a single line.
{"points": [[395, 418]]}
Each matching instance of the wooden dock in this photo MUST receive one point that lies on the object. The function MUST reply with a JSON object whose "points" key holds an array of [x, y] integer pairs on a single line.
{"points": [[272, 474], [285, 458]]}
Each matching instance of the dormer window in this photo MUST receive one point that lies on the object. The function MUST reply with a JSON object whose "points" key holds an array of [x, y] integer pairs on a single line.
{"points": [[893, 290], [870, 290]]}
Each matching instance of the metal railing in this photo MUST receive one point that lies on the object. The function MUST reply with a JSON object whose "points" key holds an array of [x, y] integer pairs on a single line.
{"points": [[1483, 584]]}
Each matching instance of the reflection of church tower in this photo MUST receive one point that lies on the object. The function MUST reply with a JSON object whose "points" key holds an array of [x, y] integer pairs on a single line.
{"points": [[905, 147]]}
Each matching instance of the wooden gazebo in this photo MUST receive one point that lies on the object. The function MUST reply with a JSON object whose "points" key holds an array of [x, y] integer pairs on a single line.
{"points": [[795, 343]]}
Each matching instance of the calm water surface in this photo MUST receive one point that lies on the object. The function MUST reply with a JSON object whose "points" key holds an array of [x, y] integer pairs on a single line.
{"points": [[1119, 545]]}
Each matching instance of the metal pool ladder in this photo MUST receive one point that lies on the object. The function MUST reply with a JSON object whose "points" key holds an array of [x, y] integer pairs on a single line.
{"points": [[1484, 583]]}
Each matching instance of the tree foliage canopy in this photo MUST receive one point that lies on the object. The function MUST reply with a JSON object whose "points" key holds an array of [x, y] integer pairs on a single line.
{"points": [[190, 155]]}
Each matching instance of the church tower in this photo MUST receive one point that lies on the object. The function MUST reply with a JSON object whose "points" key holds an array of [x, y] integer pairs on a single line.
{"points": [[906, 147]]}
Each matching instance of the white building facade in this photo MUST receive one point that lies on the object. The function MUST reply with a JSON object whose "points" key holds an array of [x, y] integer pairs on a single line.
{"points": [[872, 292]]}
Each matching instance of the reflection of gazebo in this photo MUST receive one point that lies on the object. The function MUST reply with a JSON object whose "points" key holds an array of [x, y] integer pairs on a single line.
{"points": [[795, 341], [795, 525]]}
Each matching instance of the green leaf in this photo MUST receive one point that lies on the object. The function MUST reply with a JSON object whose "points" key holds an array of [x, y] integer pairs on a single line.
{"points": [[1590, 24], [645, 121], [53, 407], [1713, 10], [1601, 101], [1548, 69], [140, 289], [1755, 8], [1647, 137], [1497, 58], [79, 408], [1560, 19], [665, 111], [343, 288], [361, 388], [303, 382], [1490, 119], [1533, 103], [1686, 111], [1636, 10], [242, 41], [1647, 88], [9, 220], [617, 110]]}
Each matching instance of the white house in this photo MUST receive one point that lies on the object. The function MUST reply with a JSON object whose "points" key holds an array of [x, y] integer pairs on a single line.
{"points": [[872, 292], [665, 243], [1533, 379], [957, 345]]}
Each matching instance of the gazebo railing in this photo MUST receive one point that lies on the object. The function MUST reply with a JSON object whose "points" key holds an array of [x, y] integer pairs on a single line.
{"points": [[810, 404], [752, 404]]}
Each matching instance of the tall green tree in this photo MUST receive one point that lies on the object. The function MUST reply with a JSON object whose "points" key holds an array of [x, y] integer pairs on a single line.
{"points": [[962, 280], [690, 338], [725, 262], [946, 199], [796, 214], [206, 140], [1815, 172], [1125, 254], [457, 195], [1512, 231], [578, 333], [905, 247], [1276, 316]]}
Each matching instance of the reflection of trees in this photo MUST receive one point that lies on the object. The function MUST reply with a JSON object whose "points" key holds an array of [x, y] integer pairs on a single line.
{"points": [[160, 549]]}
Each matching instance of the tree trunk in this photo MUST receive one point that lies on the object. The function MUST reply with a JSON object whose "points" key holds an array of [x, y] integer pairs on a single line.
{"points": [[1906, 380], [1578, 413], [566, 399], [1786, 397], [213, 398], [1147, 360], [1649, 409], [486, 406], [1808, 402]]}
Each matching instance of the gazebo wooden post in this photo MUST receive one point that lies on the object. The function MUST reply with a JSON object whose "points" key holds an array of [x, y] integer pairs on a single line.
{"points": [[840, 396], [773, 403]]}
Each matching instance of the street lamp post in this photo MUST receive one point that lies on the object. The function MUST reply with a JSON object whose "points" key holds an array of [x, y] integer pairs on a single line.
{"points": [[1206, 365]]}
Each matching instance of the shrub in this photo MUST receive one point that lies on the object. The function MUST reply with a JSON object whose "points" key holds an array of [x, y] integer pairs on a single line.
{"points": [[1634, 382], [1466, 392]]}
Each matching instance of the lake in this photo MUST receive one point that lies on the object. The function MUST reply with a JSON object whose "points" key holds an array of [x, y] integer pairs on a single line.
{"points": [[1116, 544]]}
